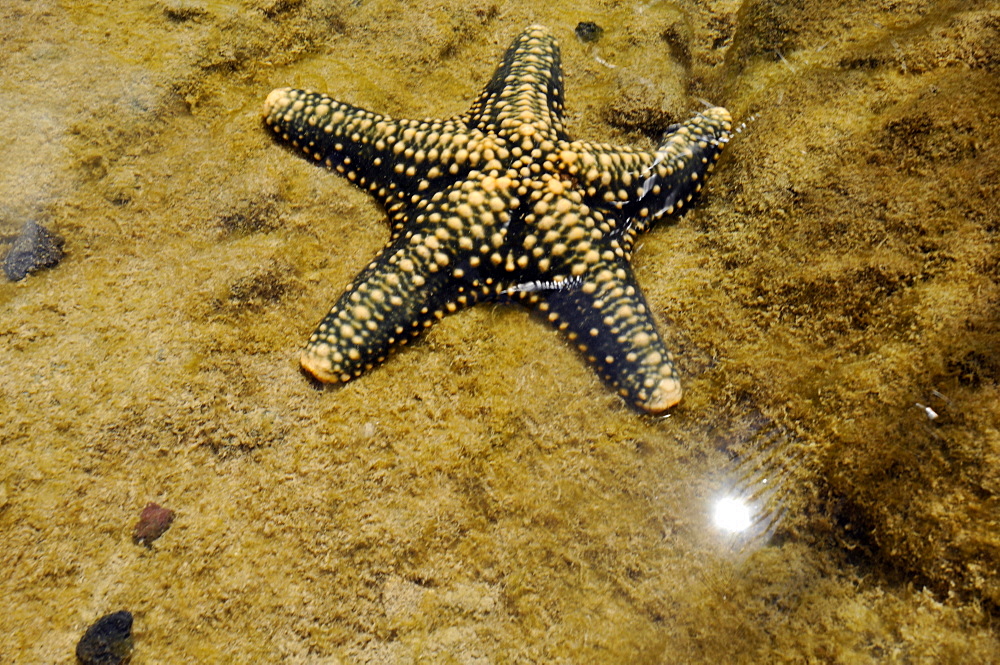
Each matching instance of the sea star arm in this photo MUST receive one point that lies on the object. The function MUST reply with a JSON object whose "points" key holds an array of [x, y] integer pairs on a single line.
{"points": [[393, 300], [606, 317], [580, 280], [441, 261], [527, 88], [388, 157], [644, 186]]}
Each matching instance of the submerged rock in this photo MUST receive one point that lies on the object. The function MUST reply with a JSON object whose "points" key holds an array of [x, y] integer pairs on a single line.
{"points": [[34, 249], [588, 31], [153, 523], [108, 641]]}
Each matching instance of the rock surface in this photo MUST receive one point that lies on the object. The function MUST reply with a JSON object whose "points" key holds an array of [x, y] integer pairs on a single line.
{"points": [[34, 248], [108, 641]]}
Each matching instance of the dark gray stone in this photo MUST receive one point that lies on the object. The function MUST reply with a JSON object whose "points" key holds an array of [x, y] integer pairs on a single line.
{"points": [[108, 641], [35, 248]]}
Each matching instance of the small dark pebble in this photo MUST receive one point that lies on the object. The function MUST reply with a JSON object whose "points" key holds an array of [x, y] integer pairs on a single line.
{"points": [[108, 641], [34, 249], [587, 31], [153, 523]]}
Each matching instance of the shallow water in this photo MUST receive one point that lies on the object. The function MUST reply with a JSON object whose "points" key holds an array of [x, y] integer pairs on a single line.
{"points": [[482, 497]]}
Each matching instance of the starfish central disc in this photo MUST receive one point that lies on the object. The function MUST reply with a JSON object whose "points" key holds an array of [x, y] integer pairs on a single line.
{"points": [[500, 203]]}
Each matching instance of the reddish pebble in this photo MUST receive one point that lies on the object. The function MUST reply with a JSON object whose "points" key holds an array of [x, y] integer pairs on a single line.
{"points": [[153, 523]]}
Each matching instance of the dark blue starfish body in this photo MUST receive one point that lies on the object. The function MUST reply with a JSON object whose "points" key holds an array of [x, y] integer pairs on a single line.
{"points": [[500, 203]]}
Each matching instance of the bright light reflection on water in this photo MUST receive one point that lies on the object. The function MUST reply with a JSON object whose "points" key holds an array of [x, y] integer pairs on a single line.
{"points": [[732, 515]]}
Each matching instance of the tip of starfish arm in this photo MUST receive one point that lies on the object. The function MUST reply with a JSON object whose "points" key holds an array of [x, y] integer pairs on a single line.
{"points": [[274, 99], [318, 366], [667, 394]]}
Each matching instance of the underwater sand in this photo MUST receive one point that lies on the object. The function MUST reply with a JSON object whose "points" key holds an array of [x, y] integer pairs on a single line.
{"points": [[482, 497]]}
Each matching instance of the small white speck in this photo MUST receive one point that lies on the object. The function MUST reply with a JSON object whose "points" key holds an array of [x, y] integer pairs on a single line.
{"points": [[928, 411]]}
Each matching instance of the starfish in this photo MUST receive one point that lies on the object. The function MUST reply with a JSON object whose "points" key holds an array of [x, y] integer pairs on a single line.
{"points": [[499, 203]]}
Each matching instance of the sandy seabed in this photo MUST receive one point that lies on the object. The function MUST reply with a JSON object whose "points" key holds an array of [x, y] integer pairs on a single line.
{"points": [[483, 497]]}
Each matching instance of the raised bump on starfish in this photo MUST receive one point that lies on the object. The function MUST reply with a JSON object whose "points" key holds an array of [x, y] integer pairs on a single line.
{"points": [[500, 203]]}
